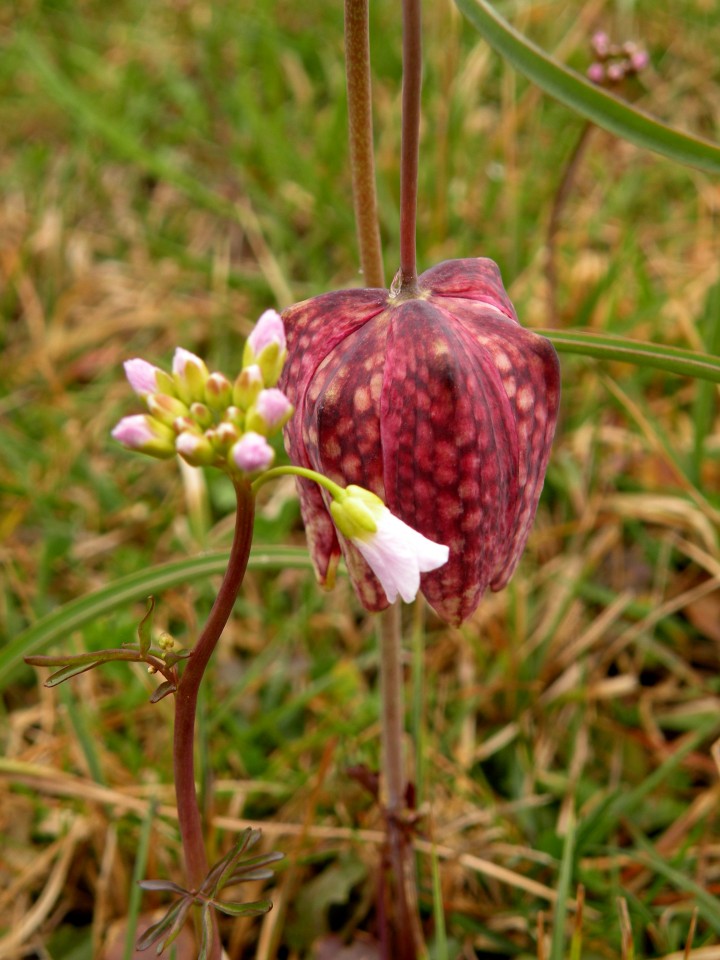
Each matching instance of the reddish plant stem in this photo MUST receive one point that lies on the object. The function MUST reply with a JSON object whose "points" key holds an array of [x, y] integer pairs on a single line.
{"points": [[360, 125], [409, 150], [398, 928], [189, 819], [393, 780]]}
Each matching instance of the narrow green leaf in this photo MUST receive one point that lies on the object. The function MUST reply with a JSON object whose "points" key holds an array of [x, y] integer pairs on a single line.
{"points": [[145, 628], [74, 615], [207, 933], [252, 909], [168, 885], [557, 947], [77, 659], [232, 861], [706, 396], [65, 660], [707, 904], [684, 363], [598, 825], [55, 679], [441, 950], [585, 98], [172, 920], [250, 868]]}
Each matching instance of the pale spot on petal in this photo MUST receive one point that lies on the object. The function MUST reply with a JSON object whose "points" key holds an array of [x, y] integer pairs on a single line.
{"points": [[525, 398], [362, 400]]}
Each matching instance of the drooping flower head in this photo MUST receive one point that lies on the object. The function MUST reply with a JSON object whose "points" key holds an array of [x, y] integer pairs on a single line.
{"points": [[442, 405]]}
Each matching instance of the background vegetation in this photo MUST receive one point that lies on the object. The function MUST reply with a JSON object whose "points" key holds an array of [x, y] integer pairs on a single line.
{"points": [[168, 171]]}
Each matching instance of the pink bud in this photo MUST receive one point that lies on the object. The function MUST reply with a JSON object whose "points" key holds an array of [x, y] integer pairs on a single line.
{"points": [[252, 453], [271, 410], [600, 43], [596, 73], [639, 60], [182, 358], [146, 435], [268, 330], [142, 376]]}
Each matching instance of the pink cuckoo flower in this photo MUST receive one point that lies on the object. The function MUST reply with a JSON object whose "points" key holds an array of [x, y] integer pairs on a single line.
{"points": [[439, 403]]}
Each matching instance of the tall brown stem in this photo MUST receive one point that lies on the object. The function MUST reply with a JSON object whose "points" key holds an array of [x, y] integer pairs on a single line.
{"points": [[359, 86], [190, 821], [360, 124], [409, 150], [392, 691]]}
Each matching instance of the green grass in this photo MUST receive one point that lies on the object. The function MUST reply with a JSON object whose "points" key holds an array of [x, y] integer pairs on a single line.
{"points": [[167, 172]]}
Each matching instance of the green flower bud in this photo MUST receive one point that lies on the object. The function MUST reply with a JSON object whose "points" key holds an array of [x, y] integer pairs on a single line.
{"points": [[195, 449], [247, 386], [165, 409], [201, 415], [357, 512], [218, 391], [190, 375]]}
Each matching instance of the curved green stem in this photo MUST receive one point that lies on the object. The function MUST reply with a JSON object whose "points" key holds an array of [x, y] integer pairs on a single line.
{"points": [[412, 86], [360, 124], [334, 489], [189, 819]]}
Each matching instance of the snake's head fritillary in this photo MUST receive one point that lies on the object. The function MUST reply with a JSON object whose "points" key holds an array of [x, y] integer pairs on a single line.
{"points": [[439, 403]]}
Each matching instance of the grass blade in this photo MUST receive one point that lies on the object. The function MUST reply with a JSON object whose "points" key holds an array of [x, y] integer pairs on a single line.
{"points": [[707, 904], [704, 407], [557, 946], [441, 943], [683, 363], [75, 614]]}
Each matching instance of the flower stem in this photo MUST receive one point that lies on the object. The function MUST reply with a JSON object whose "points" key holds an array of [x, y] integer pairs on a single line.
{"points": [[412, 85], [393, 779], [191, 828], [334, 489], [362, 162]]}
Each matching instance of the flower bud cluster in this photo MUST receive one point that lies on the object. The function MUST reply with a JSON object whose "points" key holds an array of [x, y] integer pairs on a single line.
{"points": [[206, 418], [614, 61]]}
